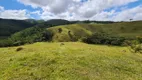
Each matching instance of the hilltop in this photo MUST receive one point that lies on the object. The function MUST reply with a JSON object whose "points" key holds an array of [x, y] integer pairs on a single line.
{"points": [[71, 61]]}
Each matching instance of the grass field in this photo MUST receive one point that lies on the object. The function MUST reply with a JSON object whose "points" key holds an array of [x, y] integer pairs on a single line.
{"points": [[72, 61]]}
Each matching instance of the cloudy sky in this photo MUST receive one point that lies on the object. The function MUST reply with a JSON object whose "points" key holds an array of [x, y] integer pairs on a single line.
{"points": [[112, 10]]}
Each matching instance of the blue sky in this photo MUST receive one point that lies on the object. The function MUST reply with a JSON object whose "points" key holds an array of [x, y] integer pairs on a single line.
{"points": [[43, 9], [14, 5]]}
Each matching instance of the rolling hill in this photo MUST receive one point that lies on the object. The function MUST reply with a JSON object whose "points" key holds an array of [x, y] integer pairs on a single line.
{"points": [[75, 32], [69, 32]]}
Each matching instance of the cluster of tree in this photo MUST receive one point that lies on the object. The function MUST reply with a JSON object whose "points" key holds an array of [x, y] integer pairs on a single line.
{"points": [[135, 44], [27, 36], [88, 21], [104, 38]]}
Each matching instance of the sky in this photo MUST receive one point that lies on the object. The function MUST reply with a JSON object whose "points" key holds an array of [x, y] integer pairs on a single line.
{"points": [[101, 10]]}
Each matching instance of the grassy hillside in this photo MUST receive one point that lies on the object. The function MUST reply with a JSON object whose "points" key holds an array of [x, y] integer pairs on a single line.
{"points": [[72, 61], [78, 31]]}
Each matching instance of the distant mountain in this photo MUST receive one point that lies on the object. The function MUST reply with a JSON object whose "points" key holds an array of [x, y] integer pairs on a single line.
{"points": [[34, 21], [10, 26], [57, 22]]}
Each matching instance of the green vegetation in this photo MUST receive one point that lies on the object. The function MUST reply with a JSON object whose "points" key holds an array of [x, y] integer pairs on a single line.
{"points": [[71, 61], [110, 33], [106, 39], [30, 35], [79, 31], [135, 46], [9, 26], [66, 59], [27, 36]]}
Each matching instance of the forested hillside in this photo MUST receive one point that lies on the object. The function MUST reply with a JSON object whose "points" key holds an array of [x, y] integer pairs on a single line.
{"points": [[9, 26]]}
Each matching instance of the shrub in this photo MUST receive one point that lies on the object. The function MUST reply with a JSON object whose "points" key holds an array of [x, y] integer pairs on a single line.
{"points": [[139, 38], [19, 49], [136, 48], [122, 28], [60, 30], [127, 43]]}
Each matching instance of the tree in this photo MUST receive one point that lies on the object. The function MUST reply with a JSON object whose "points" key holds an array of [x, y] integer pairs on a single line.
{"points": [[131, 19]]}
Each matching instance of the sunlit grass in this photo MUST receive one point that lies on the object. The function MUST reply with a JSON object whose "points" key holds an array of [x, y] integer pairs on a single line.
{"points": [[72, 61]]}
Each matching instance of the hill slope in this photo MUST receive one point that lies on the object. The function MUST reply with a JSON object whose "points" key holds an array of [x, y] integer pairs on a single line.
{"points": [[77, 31], [72, 61]]}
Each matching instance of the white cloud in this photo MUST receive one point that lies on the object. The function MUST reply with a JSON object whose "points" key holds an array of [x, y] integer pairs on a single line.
{"points": [[86, 9], [54, 6], [1, 8], [13, 14], [124, 15], [104, 16], [76, 10], [134, 13], [93, 7]]}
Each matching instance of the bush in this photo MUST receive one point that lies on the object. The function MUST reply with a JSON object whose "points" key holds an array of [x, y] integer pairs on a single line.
{"points": [[60, 30], [19, 49], [139, 38], [136, 48], [127, 43]]}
